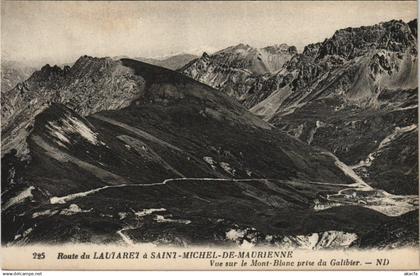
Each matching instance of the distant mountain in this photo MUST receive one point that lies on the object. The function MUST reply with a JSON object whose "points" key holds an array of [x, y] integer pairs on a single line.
{"points": [[236, 69], [172, 62], [122, 151], [12, 73]]}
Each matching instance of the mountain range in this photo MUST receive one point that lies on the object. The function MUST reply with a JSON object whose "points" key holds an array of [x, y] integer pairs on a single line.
{"points": [[122, 151], [354, 94]]}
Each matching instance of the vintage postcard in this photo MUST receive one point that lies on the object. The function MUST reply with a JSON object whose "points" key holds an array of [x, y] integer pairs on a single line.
{"points": [[196, 135]]}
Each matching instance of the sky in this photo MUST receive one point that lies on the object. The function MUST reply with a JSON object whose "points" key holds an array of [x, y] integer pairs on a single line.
{"points": [[59, 32]]}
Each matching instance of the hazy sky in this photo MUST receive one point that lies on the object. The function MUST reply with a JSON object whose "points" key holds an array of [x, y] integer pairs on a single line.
{"points": [[57, 32]]}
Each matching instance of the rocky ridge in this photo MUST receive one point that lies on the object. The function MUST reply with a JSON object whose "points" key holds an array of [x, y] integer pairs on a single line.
{"points": [[237, 69], [89, 86]]}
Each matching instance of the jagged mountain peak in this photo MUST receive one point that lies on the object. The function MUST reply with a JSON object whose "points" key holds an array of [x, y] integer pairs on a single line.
{"points": [[240, 48], [394, 35], [392, 25], [84, 66], [89, 60], [48, 72], [87, 67], [311, 49]]}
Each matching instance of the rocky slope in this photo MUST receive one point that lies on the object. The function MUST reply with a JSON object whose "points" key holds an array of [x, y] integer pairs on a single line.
{"points": [[237, 69], [126, 152], [89, 86], [355, 94]]}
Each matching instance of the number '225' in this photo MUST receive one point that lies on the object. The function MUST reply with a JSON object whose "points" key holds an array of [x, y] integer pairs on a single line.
{"points": [[38, 256]]}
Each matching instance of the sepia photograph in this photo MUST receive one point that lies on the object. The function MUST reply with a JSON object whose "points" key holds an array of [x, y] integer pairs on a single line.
{"points": [[240, 134]]}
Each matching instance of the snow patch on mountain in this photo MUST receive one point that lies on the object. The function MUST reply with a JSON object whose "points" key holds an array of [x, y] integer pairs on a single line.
{"points": [[70, 125], [146, 212], [227, 168], [209, 160], [44, 213], [160, 218], [27, 193], [72, 210]]}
